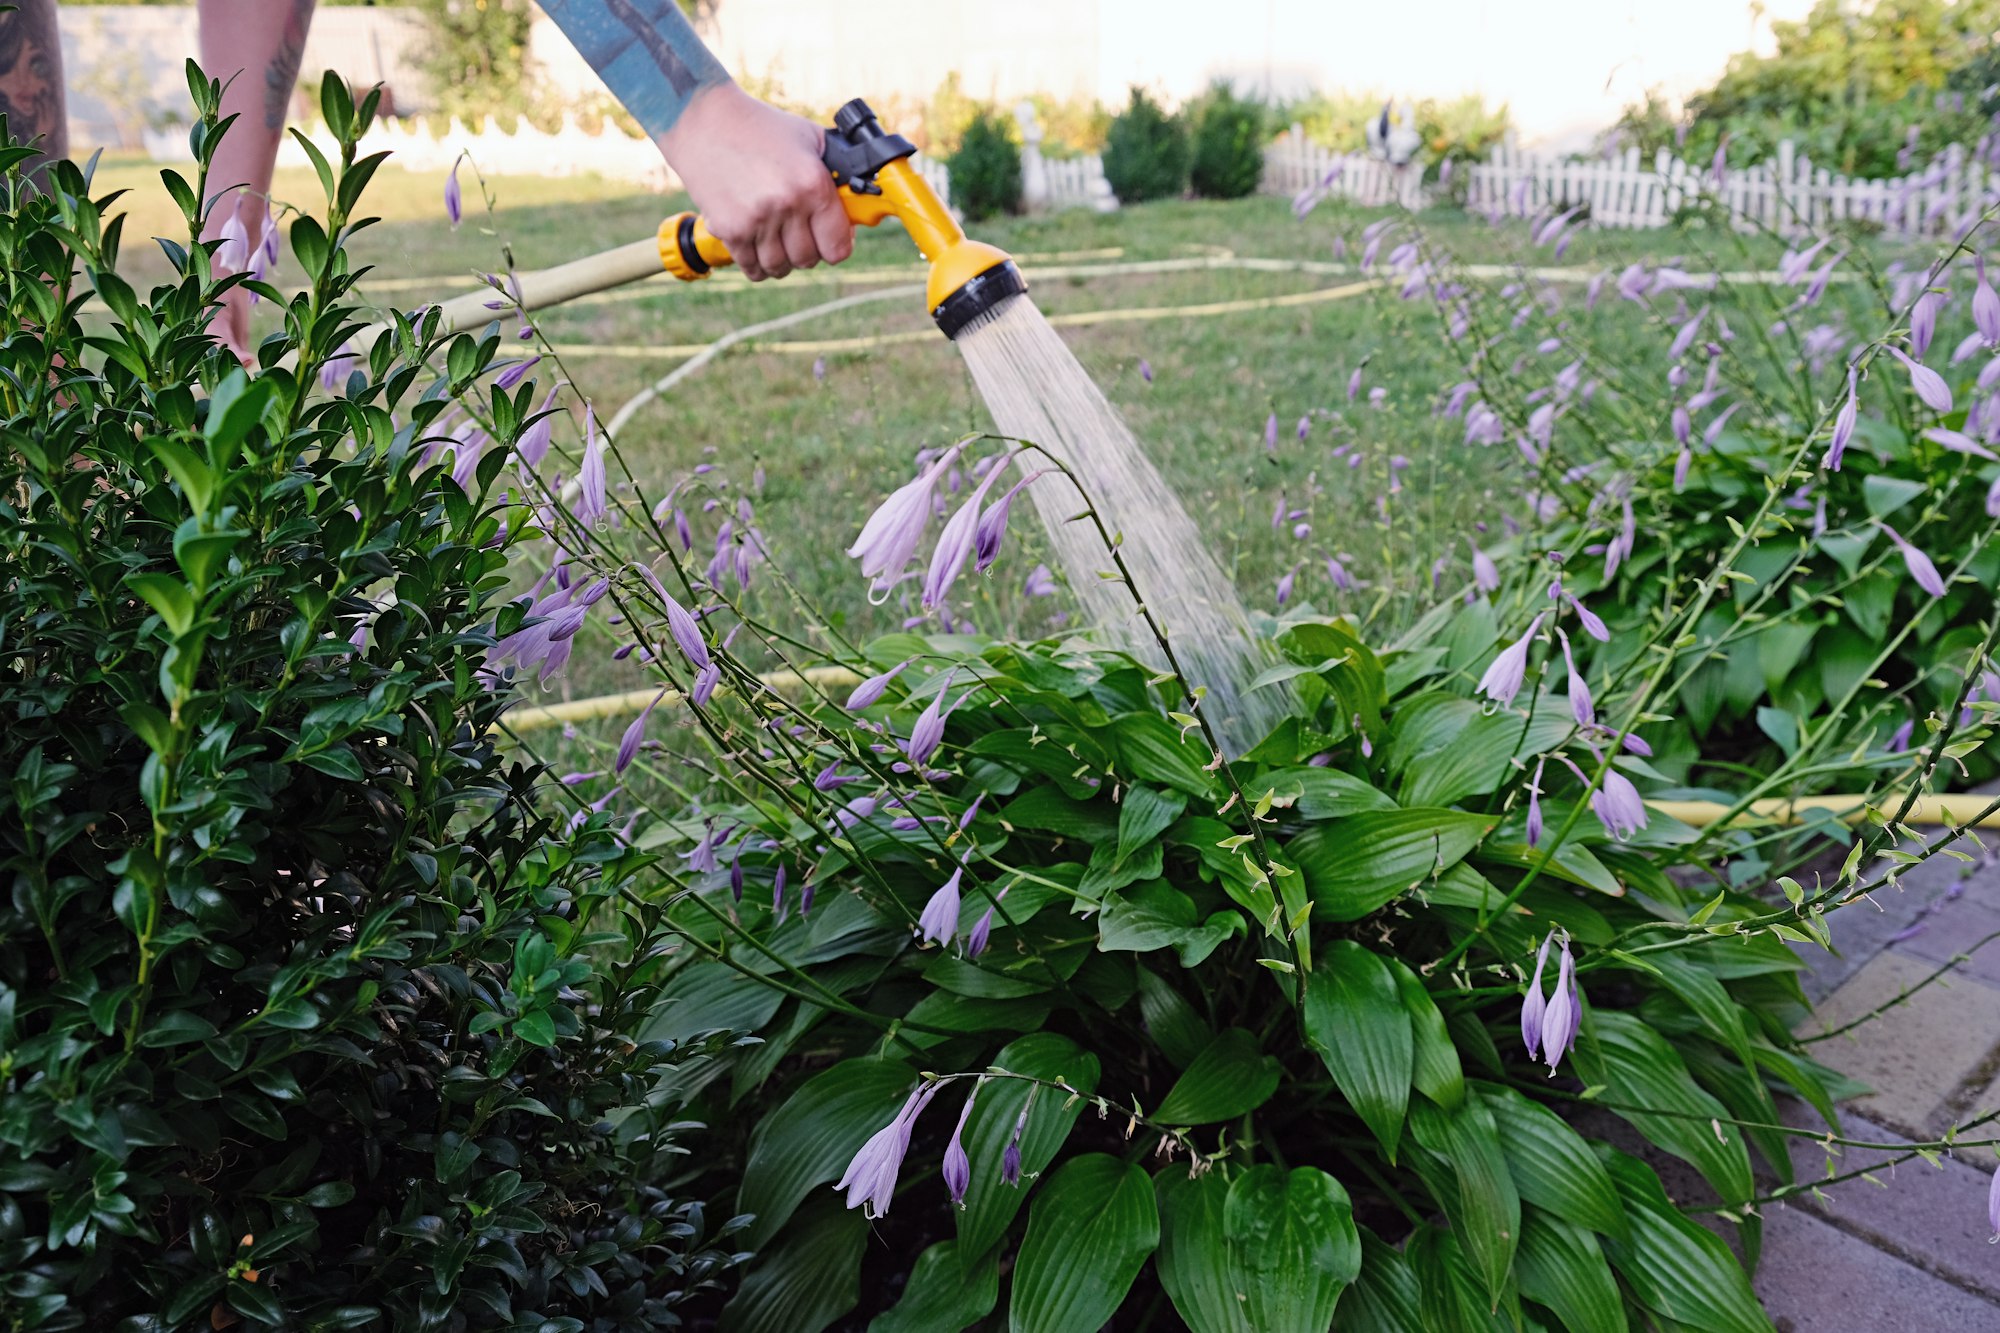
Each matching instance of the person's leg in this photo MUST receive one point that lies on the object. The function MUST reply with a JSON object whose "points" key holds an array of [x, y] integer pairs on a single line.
{"points": [[31, 80]]}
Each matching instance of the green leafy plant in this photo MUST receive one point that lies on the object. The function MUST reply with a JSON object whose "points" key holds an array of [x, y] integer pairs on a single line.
{"points": [[986, 166], [1146, 151], [1229, 133], [315, 1009]]}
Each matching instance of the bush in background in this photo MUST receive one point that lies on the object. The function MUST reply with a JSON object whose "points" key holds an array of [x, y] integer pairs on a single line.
{"points": [[1461, 129], [1146, 151], [986, 168], [314, 1010], [1228, 158]]}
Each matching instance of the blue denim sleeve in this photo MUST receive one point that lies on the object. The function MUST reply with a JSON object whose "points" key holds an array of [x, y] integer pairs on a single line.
{"points": [[645, 51]]}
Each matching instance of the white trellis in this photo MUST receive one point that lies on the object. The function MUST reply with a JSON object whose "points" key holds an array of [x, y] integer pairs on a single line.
{"points": [[1295, 164]]}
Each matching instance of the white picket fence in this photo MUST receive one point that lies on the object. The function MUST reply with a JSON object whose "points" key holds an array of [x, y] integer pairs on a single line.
{"points": [[1295, 164], [1787, 194]]}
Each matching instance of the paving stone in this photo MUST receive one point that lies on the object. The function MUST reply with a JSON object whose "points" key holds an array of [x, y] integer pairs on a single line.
{"points": [[1816, 1278], [1961, 926], [1933, 1217], [1863, 929], [1917, 1055]]}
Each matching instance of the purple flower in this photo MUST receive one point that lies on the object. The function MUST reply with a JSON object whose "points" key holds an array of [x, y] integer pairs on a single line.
{"points": [[1922, 571], [514, 374], [1993, 499], [1504, 676], [1305, 428], [1682, 463], [705, 681], [778, 892], [1684, 339], [1592, 625], [1923, 321], [1354, 384], [533, 445], [870, 1180], [1960, 443], [1993, 1206], [1145, 370], [1682, 425], [1843, 424], [591, 502], [957, 1166], [1986, 307], [1485, 574], [337, 368], [928, 730], [870, 691], [1617, 805], [971, 812], [956, 542], [1564, 1014], [982, 929], [628, 746], [1285, 584], [1271, 431], [454, 206], [1714, 431], [1580, 703], [938, 923], [1533, 1006], [993, 524], [1041, 583], [1899, 739], [1535, 808], [1010, 1160], [890, 536], [686, 631], [830, 777], [1926, 383], [736, 873]]}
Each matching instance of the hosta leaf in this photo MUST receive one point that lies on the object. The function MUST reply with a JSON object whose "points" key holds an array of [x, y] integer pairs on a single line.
{"points": [[1674, 1267], [1384, 1297], [1552, 1166], [1230, 1077], [809, 1278], [944, 1294], [1176, 1028], [1436, 1070], [1485, 1211], [991, 1203], [809, 1140], [1561, 1266], [1090, 1229], [1450, 1296], [1293, 1247], [1143, 814], [1193, 1259], [1319, 793], [1355, 865], [1642, 1075], [1355, 1020]]}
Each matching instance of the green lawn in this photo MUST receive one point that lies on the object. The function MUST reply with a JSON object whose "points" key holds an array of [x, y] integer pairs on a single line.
{"points": [[831, 448]]}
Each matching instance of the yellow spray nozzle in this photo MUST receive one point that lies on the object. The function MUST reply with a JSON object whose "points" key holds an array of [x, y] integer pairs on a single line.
{"points": [[872, 168]]}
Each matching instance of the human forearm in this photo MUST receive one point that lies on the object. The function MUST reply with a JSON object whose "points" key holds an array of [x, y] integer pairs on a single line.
{"points": [[646, 52], [254, 47]]}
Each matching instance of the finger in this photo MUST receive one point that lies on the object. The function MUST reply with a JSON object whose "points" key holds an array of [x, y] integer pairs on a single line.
{"points": [[833, 231], [743, 249], [800, 247], [771, 255]]}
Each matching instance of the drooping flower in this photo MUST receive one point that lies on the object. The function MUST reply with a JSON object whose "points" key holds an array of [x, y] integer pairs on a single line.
{"points": [[1564, 1014], [938, 923], [512, 376], [1926, 383], [1993, 1208], [957, 1166], [628, 745], [1503, 677], [1923, 321], [1715, 427], [890, 536], [1010, 1160], [1986, 307], [1581, 706], [1682, 462], [1535, 806], [591, 501], [705, 681], [1922, 571], [993, 524], [1533, 1006], [1285, 584], [1960, 443], [1683, 425], [1993, 499], [1592, 624], [1843, 424], [982, 930], [533, 446], [956, 542], [928, 730], [870, 691], [686, 631], [870, 1179], [1271, 432], [1485, 574], [1145, 370], [454, 205], [1617, 805], [1685, 337]]}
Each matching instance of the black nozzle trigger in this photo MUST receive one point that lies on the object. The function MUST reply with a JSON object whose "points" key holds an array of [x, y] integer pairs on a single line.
{"points": [[857, 148]]}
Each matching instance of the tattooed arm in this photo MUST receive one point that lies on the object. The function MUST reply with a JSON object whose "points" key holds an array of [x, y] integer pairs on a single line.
{"points": [[753, 170], [254, 47], [31, 80]]}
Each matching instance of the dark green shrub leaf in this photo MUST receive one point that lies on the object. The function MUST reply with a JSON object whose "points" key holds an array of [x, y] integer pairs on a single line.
{"points": [[1355, 1021], [1230, 1077], [1090, 1229], [809, 1278]]}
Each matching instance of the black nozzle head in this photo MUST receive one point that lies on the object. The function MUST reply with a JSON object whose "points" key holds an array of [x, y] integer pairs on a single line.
{"points": [[858, 147], [982, 293], [856, 120]]}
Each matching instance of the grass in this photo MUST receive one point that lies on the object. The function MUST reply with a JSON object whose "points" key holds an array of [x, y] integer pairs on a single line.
{"points": [[830, 448]]}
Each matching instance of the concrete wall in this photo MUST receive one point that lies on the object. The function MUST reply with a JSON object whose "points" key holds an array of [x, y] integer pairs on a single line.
{"points": [[125, 63]]}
